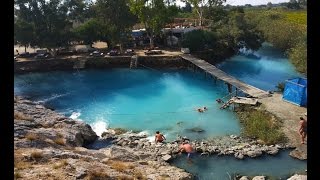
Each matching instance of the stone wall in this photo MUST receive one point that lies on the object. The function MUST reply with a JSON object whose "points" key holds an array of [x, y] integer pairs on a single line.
{"points": [[98, 62]]}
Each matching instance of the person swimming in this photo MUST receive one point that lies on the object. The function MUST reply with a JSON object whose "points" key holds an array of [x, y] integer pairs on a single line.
{"points": [[200, 110]]}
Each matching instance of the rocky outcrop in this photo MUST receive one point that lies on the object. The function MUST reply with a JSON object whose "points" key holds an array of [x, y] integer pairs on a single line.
{"points": [[240, 147], [48, 145], [35, 125]]}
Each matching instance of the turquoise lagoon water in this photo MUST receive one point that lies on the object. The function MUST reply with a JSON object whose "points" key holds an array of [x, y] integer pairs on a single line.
{"points": [[148, 100], [265, 72], [280, 166], [139, 99]]}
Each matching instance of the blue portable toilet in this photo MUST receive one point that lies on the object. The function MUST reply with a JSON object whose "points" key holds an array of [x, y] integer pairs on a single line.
{"points": [[295, 91]]}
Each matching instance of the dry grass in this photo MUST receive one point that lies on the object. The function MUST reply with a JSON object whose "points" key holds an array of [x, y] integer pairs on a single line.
{"points": [[123, 177], [20, 164], [36, 155], [119, 131], [20, 116], [17, 175], [97, 175], [60, 141], [138, 175], [119, 166], [31, 136], [63, 163], [59, 135]]}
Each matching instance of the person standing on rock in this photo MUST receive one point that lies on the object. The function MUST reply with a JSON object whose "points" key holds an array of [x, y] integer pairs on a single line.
{"points": [[186, 147], [159, 137], [303, 129]]}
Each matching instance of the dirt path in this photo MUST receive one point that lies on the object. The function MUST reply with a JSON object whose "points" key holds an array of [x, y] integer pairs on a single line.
{"points": [[289, 114]]}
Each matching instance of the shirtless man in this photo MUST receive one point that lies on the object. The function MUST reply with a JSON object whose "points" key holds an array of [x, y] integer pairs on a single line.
{"points": [[186, 147], [303, 129], [159, 137]]}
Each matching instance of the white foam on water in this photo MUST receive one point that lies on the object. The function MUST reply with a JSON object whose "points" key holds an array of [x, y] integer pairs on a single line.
{"points": [[142, 133], [54, 96], [75, 115], [99, 127]]}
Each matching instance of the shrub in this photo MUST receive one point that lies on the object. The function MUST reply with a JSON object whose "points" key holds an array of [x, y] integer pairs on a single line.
{"points": [[138, 175], [21, 116], [61, 164], [281, 86], [20, 164], [119, 131], [36, 155], [17, 175], [119, 166], [97, 174], [60, 141], [31, 136]]}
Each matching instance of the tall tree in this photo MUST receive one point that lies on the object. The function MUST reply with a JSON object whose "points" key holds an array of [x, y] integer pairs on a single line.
{"points": [[117, 17], [154, 14], [49, 19], [199, 5], [23, 33]]}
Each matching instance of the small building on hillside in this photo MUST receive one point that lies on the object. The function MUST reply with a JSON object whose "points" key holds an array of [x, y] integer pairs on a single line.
{"points": [[295, 91]]}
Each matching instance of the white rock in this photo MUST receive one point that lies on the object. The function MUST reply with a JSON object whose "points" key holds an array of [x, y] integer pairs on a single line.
{"points": [[298, 177], [259, 178]]}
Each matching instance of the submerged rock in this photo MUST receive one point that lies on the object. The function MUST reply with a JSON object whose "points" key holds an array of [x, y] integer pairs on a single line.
{"points": [[196, 129]]}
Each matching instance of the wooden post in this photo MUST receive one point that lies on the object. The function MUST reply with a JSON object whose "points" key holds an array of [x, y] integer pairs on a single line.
{"points": [[229, 88]]}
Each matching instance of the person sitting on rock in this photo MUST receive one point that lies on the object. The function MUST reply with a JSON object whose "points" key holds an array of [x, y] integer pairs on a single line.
{"points": [[159, 137], [186, 147]]}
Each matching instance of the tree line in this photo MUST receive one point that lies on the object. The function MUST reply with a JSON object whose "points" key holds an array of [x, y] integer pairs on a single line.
{"points": [[223, 29]]}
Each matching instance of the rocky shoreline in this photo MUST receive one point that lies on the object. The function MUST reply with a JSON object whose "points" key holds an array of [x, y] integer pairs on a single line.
{"points": [[49, 145]]}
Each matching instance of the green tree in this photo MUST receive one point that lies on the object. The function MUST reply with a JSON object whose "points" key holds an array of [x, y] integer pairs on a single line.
{"points": [[117, 19], [199, 5], [154, 14], [23, 33], [91, 31], [49, 19]]}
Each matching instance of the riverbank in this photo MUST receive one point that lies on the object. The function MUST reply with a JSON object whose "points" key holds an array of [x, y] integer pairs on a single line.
{"points": [[49, 145]]}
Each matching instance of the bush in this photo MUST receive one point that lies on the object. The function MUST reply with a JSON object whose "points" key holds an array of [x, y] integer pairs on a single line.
{"points": [[119, 131], [281, 86], [61, 164], [97, 174], [31, 136], [17, 175], [119, 165], [21, 116], [60, 141], [36, 155]]}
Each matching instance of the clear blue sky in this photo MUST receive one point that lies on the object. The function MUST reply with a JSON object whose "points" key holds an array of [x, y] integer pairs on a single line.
{"points": [[243, 2]]}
